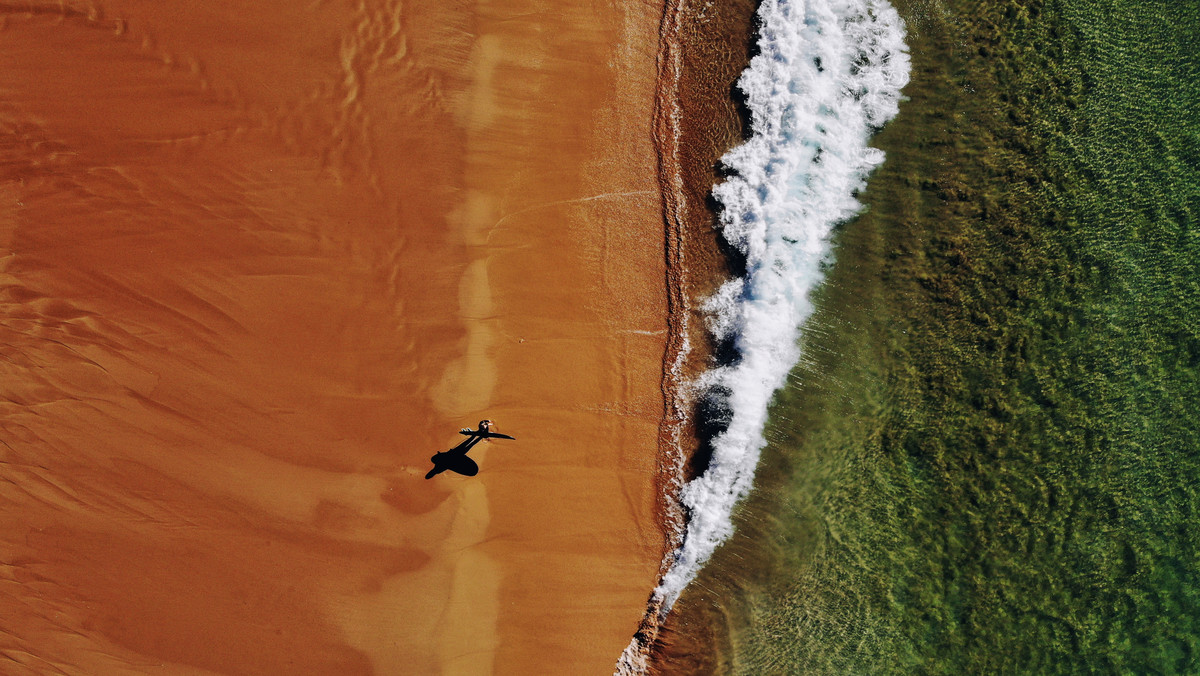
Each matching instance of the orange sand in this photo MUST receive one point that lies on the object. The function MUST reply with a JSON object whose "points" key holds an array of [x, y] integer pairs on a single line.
{"points": [[258, 262]]}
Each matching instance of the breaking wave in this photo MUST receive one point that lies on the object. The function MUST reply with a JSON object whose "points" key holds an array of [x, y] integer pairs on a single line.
{"points": [[828, 75]]}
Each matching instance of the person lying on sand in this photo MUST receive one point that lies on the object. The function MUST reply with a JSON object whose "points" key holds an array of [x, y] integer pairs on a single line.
{"points": [[456, 459]]}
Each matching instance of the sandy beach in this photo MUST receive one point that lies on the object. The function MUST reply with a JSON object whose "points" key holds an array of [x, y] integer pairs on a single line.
{"points": [[257, 265]]}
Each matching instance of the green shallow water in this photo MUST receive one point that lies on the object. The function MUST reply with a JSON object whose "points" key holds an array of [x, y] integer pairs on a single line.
{"points": [[989, 461]]}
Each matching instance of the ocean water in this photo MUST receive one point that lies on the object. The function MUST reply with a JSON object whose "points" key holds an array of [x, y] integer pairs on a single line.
{"points": [[988, 457]]}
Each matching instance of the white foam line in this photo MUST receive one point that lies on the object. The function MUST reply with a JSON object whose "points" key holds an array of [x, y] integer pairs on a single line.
{"points": [[828, 75]]}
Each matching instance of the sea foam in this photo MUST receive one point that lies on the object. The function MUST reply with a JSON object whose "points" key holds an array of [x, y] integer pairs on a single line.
{"points": [[828, 75]]}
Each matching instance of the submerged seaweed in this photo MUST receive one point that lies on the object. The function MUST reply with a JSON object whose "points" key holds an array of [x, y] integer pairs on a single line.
{"points": [[988, 461]]}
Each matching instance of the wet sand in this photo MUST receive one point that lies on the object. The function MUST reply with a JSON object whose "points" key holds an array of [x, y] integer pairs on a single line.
{"points": [[708, 46], [257, 264]]}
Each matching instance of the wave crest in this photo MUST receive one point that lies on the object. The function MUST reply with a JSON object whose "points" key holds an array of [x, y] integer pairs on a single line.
{"points": [[828, 75]]}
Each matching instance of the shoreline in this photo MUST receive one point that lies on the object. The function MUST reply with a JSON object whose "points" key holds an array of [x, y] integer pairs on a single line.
{"points": [[702, 53], [782, 230]]}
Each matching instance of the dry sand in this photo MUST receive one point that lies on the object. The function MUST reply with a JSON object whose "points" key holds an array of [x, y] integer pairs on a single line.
{"points": [[258, 262]]}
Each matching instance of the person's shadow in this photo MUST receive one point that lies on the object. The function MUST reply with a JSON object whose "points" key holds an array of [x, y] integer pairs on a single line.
{"points": [[456, 460]]}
